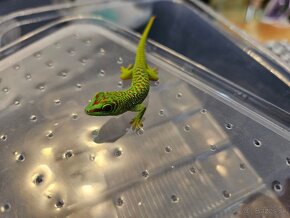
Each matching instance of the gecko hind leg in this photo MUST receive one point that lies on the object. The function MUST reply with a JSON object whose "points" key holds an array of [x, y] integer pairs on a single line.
{"points": [[126, 73], [153, 73], [137, 120]]}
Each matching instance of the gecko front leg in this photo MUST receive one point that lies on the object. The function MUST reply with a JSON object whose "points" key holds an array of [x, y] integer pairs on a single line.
{"points": [[126, 73], [137, 120]]}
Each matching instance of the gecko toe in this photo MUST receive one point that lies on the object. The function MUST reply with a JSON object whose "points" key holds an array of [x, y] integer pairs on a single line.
{"points": [[136, 124]]}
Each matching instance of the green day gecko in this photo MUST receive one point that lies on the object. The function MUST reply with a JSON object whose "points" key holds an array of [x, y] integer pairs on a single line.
{"points": [[118, 102]]}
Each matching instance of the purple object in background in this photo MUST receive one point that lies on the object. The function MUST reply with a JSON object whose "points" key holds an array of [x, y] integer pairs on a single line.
{"points": [[277, 9], [9, 6]]}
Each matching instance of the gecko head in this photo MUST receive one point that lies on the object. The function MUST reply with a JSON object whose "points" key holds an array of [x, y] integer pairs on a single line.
{"points": [[100, 105]]}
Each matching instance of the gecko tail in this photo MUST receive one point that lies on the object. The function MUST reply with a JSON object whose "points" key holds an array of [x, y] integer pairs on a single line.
{"points": [[144, 36], [140, 59]]}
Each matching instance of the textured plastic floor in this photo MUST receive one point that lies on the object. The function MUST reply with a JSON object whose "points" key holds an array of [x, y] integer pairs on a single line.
{"points": [[281, 49], [56, 161]]}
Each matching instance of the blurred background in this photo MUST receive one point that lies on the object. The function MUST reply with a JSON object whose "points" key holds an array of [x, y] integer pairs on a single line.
{"points": [[263, 19]]}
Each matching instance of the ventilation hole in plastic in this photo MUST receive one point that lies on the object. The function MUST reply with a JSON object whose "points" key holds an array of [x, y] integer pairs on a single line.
{"points": [[257, 143], [76, 35], [59, 204], [179, 95], [41, 87], [156, 83], [84, 60], [101, 52], [117, 152], [120, 84], [50, 134], [119, 202], [5, 90], [168, 149], [37, 55], [87, 42], [33, 118], [288, 161], [102, 72], [242, 166], [95, 133], [3, 137], [161, 113], [226, 194], [57, 44], [120, 60], [79, 85], [68, 154], [5, 207], [277, 186], [16, 67], [16, 102], [187, 128], [63, 73], [192, 170], [140, 131], [20, 157], [57, 101], [50, 64], [74, 116], [28, 76], [212, 147], [38, 179], [229, 126], [145, 174], [71, 52], [174, 199], [92, 157]]}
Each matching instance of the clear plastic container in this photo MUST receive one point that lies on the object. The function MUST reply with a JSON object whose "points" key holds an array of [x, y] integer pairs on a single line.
{"points": [[203, 152], [189, 28]]}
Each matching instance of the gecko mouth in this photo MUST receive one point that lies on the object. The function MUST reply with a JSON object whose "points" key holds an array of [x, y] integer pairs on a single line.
{"points": [[93, 111]]}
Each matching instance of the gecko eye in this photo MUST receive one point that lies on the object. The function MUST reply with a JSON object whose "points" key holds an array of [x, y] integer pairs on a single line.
{"points": [[107, 108]]}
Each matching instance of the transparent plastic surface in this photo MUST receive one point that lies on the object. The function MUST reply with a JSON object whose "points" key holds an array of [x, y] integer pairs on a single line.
{"points": [[210, 40], [202, 152]]}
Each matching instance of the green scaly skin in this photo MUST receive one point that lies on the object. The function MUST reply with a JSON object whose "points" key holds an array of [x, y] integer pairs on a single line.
{"points": [[118, 102]]}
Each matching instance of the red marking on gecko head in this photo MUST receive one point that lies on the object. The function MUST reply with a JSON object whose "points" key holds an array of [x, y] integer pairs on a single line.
{"points": [[97, 100]]}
